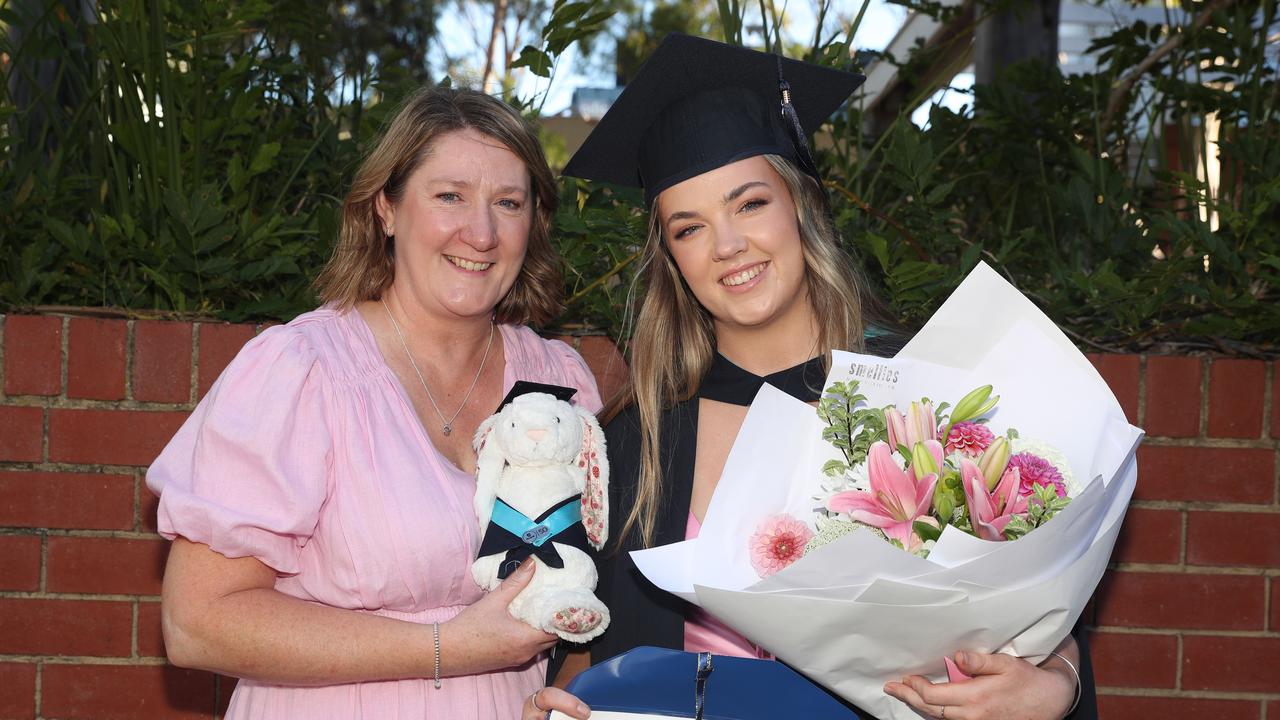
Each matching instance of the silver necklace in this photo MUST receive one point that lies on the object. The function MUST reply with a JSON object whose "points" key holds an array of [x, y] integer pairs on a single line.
{"points": [[446, 426]]}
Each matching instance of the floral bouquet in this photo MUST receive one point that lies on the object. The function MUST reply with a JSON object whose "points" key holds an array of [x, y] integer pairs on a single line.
{"points": [[905, 476], [870, 539]]}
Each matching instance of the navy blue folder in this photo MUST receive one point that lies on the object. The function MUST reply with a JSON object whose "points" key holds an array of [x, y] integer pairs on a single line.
{"points": [[656, 681]]}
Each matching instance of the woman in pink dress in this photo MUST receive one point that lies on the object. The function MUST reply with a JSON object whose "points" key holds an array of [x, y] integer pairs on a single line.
{"points": [[320, 496]]}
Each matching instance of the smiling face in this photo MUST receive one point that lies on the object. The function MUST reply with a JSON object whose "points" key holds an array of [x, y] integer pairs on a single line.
{"points": [[461, 225], [734, 236]]}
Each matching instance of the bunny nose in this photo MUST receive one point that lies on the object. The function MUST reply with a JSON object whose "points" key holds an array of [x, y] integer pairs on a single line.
{"points": [[536, 434]]}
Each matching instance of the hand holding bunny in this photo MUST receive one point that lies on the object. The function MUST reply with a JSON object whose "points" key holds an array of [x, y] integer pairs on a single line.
{"points": [[541, 491]]}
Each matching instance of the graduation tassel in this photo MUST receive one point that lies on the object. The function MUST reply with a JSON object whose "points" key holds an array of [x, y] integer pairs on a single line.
{"points": [[793, 125]]}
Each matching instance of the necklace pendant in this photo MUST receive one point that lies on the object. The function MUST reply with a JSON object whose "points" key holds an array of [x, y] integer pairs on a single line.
{"points": [[447, 429]]}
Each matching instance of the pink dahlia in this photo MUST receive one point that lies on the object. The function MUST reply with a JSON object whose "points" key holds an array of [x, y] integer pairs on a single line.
{"points": [[1035, 470], [969, 438], [778, 541]]}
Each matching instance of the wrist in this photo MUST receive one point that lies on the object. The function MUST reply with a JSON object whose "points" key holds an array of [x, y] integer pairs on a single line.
{"points": [[1069, 677]]}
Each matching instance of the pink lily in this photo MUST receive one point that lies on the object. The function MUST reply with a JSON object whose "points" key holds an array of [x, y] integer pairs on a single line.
{"points": [[896, 425], [922, 425], [919, 425], [897, 498], [991, 512]]}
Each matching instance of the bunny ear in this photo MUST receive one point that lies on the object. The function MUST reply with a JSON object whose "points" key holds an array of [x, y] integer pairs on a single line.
{"points": [[595, 494], [490, 462]]}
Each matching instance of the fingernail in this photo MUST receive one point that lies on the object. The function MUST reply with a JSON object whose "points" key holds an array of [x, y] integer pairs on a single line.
{"points": [[526, 567], [962, 658], [583, 710]]}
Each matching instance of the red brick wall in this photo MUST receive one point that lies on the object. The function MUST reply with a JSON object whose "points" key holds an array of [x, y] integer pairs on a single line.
{"points": [[1187, 623]]}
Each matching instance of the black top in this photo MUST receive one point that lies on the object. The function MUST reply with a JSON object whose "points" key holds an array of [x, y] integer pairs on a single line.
{"points": [[641, 613]]}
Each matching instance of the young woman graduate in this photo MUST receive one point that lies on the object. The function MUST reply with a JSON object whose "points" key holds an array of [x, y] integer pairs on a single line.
{"points": [[746, 283]]}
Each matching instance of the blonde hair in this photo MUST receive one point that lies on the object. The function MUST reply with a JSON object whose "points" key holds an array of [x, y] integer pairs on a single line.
{"points": [[674, 340], [362, 265]]}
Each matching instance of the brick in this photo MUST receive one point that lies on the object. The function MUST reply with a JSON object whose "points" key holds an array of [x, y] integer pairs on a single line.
{"points": [[1222, 475], [150, 631], [1150, 536], [1173, 396], [1121, 372], [110, 437], [1134, 661], [17, 691], [95, 359], [116, 566], [1233, 538], [1175, 600], [150, 506], [1126, 707], [1274, 623], [219, 344], [1239, 664], [162, 361], [19, 563], [32, 355], [1273, 710], [1275, 408], [21, 434], [65, 627], [84, 501], [1236, 390], [157, 692]]}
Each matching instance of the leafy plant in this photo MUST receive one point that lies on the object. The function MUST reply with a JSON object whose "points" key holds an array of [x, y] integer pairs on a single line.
{"points": [[190, 157]]}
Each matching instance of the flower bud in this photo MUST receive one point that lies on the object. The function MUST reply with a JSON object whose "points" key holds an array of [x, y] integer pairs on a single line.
{"points": [[973, 405], [896, 426], [993, 461], [921, 424], [923, 461]]}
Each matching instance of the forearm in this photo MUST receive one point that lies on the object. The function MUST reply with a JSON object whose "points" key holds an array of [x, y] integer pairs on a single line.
{"points": [[224, 615], [262, 634]]}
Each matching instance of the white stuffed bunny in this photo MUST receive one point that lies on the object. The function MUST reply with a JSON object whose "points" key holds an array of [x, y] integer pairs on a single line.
{"points": [[542, 477]]}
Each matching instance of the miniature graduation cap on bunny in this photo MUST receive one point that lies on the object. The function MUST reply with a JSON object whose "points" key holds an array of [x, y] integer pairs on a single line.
{"points": [[541, 491]]}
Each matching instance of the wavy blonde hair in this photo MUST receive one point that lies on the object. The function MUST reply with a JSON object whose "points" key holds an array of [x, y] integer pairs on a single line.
{"points": [[362, 265], [674, 341]]}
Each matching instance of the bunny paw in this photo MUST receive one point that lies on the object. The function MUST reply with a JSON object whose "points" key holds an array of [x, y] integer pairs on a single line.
{"points": [[576, 620]]}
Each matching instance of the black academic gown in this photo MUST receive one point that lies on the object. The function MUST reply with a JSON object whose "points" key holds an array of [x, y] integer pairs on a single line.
{"points": [[641, 614]]}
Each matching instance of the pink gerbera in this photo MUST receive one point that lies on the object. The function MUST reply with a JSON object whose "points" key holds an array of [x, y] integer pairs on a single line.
{"points": [[778, 541], [969, 438], [1035, 470]]}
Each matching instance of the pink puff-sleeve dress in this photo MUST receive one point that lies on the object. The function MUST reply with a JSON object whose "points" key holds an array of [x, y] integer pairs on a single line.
{"points": [[306, 454]]}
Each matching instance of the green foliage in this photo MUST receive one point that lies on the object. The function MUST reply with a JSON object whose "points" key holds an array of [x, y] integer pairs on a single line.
{"points": [[190, 156], [198, 171], [850, 429], [1043, 504]]}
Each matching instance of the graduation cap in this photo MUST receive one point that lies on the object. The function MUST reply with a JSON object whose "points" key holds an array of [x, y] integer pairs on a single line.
{"points": [[524, 387], [698, 104]]}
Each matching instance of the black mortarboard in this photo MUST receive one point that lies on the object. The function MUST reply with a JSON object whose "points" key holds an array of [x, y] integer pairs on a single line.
{"points": [[698, 104], [524, 387]]}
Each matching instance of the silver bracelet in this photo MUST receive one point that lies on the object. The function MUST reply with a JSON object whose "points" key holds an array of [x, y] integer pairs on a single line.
{"points": [[1076, 673], [435, 634]]}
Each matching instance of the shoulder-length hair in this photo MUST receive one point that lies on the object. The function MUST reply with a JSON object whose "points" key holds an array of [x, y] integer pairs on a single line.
{"points": [[674, 341], [362, 265]]}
